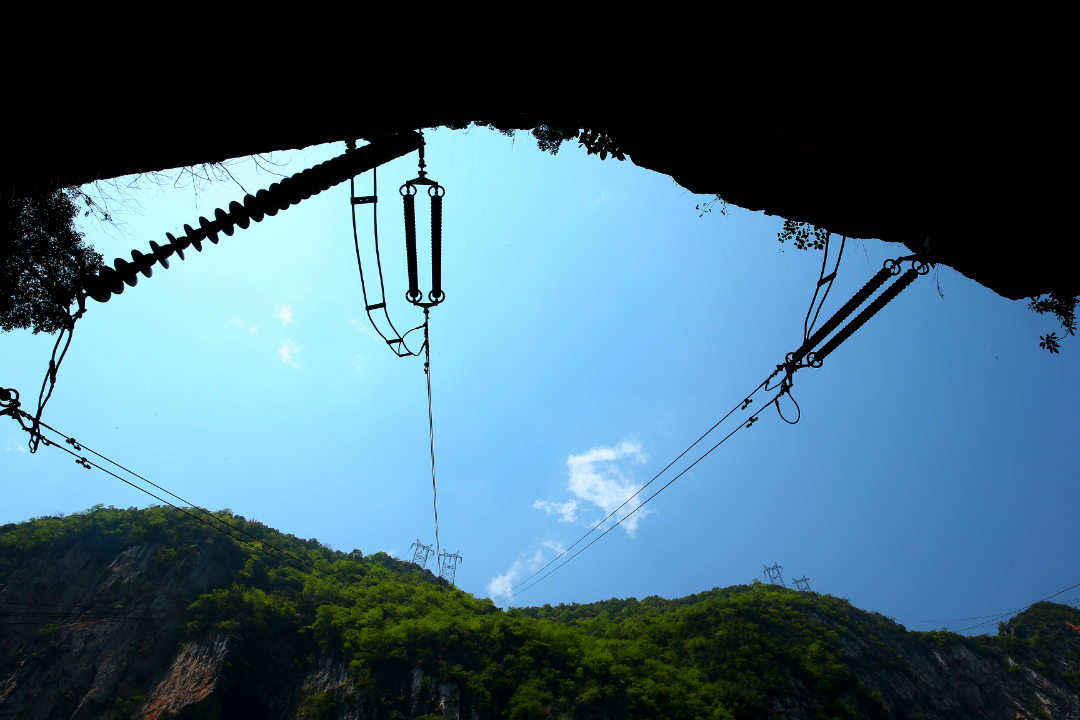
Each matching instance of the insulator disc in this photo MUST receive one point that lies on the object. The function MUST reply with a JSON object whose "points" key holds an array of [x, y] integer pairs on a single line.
{"points": [[176, 245], [110, 280], [208, 228], [193, 238], [142, 263], [239, 215], [223, 221], [254, 207], [128, 274], [161, 255], [266, 200]]}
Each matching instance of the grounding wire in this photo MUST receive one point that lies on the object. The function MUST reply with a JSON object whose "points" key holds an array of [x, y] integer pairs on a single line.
{"points": [[754, 417], [95, 621], [85, 607], [860, 297], [743, 404], [1012, 612], [79, 445], [312, 570], [981, 617]]}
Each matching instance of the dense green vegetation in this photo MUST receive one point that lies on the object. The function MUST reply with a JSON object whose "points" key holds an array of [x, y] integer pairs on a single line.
{"points": [[716, 654]]}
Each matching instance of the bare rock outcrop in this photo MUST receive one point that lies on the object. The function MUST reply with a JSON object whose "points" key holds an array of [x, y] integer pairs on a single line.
{"points": [[187, 689], [77, 670]]}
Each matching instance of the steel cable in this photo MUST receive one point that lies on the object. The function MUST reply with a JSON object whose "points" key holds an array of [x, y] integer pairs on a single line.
{"points": [[644, 502], [741, 405], [431, 432], [259, 544]]}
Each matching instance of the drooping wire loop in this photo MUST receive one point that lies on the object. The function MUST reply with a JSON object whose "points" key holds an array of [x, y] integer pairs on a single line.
{"points": [[786, 390]]}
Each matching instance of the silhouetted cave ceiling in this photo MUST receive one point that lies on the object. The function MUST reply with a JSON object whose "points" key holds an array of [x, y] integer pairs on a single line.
{"points": [[970, 149]]}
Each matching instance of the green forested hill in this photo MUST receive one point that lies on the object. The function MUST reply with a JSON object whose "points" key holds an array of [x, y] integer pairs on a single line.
{"points": [[404, 644]]}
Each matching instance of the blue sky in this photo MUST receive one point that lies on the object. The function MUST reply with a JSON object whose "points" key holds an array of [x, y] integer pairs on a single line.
{"points": [[594, 326]]}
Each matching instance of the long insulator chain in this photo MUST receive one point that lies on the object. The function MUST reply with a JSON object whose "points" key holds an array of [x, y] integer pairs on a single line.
{"points": [[267, 202], [872, 309], [436, 192], [849, 307], [408, 194]]}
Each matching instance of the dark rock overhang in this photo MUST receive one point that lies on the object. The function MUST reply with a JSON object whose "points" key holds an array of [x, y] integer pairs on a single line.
{"points": [[969, 153]]}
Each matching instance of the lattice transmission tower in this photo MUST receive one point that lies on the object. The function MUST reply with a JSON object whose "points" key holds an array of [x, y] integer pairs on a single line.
{"points": [[421, 553], [448, 566], [773, 574], [802, 584]]}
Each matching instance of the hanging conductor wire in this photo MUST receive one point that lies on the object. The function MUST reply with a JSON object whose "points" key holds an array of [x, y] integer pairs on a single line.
{"points": [[9, 405], [431, 433], [414, 295], [792, 363]]}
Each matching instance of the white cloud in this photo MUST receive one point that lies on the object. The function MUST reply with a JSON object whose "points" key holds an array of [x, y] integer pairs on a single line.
{"points": [[566, 509], [288, 352], [603, 196], [357, 364], [363, 327], [555, 546], [598, 477], [501, 584], [286, 315], [536, 560], [239, 324]]}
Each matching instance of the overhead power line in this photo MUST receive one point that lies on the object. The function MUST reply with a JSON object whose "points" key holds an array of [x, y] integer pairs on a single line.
{"points": [[742, 405], [644, 502], [257, 543], [9, 405], [793, 362], [995, 618]]}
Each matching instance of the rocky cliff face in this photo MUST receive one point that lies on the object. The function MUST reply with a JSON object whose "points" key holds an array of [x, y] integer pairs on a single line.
{"points": [[81, 670], [142, 666], [952, 680], [113, 669]]}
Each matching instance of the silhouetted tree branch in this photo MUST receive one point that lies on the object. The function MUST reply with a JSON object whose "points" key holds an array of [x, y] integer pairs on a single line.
{"points": [[44, 261]]}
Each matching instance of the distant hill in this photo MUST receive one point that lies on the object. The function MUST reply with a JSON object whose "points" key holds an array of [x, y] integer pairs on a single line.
{"points": [[151, 614]]}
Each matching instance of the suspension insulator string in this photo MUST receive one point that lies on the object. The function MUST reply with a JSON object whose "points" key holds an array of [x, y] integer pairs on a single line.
{"points": [[872, 309], [408, 194], [436, 193], [849, 307], [110, 281]]}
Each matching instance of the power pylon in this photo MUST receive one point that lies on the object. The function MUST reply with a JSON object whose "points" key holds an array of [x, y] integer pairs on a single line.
{"points": [[448, 566], [421, 554], [802, 584], [773, 574]]}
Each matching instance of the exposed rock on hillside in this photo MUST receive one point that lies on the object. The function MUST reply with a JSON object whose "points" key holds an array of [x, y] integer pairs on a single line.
{"points": [[206, 631]]}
